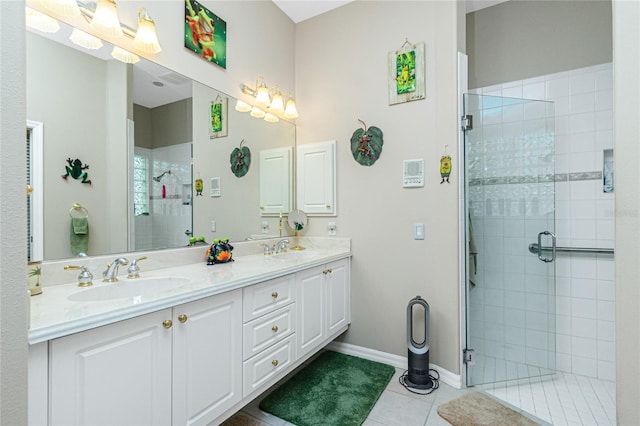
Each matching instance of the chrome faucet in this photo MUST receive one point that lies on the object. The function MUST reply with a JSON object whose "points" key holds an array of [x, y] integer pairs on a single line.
{"points": [[111, 274], [281, 246]]}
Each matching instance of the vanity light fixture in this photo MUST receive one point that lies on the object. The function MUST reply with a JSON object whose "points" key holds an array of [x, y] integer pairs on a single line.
{"points": [[146, 39], [40, 21], [105, 20], [68, 8], [102, 17], [271, 118], [257, 112], [85, 40], [242, 106], [124, 55], [272, 100], [291, 111]]}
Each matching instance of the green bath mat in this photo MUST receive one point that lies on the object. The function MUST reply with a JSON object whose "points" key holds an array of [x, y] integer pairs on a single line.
{"points": [[334, 389]]}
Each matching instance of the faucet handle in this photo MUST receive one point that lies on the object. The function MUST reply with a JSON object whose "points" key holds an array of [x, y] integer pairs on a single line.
{"points": [[267, 249], [85, 278], [134, 269]]}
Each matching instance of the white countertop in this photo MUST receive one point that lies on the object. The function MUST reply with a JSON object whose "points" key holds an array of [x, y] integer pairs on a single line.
{"points": [[54, 315]]}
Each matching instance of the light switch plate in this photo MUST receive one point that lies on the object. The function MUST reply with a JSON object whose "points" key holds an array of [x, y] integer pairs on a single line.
{"points": [[418, 231], [213, 226]]}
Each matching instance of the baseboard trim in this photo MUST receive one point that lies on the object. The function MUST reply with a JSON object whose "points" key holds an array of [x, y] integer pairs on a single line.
{"points": [[451, 379]]}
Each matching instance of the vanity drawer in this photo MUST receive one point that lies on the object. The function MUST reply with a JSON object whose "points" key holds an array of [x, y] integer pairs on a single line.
{"points": [[262, 367], [266, 297], [261, 333]]}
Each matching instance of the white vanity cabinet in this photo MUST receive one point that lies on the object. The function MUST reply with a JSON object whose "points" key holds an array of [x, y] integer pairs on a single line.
{"points": [[207, 350], [176, 366], [116, 374], [268, 331], [194, 363], [323, 304]]}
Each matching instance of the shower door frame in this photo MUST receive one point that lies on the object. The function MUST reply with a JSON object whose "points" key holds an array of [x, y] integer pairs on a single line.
{"points": [[467, 375]]}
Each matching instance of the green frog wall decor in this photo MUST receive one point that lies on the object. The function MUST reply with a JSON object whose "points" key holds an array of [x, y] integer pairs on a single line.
{"points": [[76, 170]]}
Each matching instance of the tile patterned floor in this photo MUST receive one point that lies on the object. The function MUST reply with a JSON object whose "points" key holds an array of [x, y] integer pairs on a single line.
{"points": [[562, 399]]}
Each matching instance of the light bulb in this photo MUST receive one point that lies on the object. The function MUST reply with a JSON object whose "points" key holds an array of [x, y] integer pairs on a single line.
{"points": [[277, 104], [105, 19], [262, 95], [271, 118], [146, 39], [85, 40], [242, 106], [257, 113], [67, 8], [290, 111], [124, 55]]}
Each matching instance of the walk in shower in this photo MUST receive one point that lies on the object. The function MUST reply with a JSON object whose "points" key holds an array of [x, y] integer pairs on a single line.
{"points": [[510, 196]]}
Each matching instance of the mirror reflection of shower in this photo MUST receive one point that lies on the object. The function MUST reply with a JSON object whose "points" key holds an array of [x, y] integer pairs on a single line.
{"points": [[157, 178]]}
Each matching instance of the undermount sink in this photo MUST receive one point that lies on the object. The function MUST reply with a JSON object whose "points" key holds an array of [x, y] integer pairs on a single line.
{"points": [[125, 288]]}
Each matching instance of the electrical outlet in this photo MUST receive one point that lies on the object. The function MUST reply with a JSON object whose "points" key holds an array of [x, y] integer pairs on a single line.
{"points": [[265, 227], [331, 228], [213, 226]]}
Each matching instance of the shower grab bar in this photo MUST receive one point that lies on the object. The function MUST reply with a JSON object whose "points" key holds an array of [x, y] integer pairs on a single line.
{"points": [[535, 249]]}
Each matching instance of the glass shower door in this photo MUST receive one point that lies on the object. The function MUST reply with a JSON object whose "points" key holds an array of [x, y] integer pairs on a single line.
{"points": [[510, 197]]}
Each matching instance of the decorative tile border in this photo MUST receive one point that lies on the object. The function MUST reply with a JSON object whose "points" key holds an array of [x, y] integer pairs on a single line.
{"points": [[558, 177]]}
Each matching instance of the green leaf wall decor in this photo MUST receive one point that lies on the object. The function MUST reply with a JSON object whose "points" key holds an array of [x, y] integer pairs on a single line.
{"points": [[366, 144]]}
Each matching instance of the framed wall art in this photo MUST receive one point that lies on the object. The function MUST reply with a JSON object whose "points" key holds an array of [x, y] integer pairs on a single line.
{"points": [[205, 33], [218, 117], [407, 73]]}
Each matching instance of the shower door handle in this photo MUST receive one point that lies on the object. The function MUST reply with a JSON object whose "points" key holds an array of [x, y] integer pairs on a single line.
{"points": [[553, 247]]}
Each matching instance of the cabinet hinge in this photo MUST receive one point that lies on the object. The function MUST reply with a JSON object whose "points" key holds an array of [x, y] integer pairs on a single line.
{"points": [[469, 356], [466, 122]]}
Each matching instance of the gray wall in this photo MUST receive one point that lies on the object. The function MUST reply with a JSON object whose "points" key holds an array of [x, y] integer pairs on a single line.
{"points": [[522, 39], [165, 125]]}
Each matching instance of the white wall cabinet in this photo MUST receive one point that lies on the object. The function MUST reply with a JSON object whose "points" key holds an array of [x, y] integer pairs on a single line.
{"points": [[316, 178], [130, 372], [323, 304], [275, 181]]}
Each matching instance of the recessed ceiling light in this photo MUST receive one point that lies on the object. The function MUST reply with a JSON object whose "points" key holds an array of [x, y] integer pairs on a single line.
{"points": [[158, 83]]}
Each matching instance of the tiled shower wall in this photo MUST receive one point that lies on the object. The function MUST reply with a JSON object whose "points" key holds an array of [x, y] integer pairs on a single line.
{"points": [[584, 215], [169, 216]]}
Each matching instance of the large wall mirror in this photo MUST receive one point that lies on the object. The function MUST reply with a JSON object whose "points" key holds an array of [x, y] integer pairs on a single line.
{"points": [[143, 132]]}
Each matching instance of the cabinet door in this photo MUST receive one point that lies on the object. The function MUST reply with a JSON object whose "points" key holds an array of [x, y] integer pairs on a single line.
{"points": [[316, 178], [207, 358], [119, 374], [275, 181], [311, 307], [338, 290]]}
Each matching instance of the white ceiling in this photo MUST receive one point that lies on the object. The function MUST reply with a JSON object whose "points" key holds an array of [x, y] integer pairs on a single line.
{"points": [[299, 10]]}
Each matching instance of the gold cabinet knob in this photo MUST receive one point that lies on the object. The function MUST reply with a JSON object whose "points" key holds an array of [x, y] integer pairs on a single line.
{"points": [[182, 318], [274, 328], [261, 207], [327, 271], [29, 189], [328, 206], [274, 294], [167, 323], [274, 362]]}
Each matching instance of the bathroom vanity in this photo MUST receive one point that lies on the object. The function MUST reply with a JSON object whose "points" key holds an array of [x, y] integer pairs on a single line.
{"points": [[208, 341]]}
